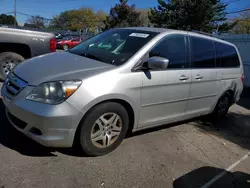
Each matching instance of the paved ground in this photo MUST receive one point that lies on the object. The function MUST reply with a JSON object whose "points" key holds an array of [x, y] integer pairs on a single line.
{"points": [[181, 155]]}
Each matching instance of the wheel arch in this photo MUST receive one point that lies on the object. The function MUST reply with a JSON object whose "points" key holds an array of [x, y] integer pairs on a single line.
{"points": [[127, 105], [19, 48], [229, 92]]}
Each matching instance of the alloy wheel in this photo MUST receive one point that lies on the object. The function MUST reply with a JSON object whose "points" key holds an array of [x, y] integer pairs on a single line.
{"points": [[106, 130]]}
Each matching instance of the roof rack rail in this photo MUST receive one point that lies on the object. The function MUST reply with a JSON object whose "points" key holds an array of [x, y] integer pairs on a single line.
{"points": [[203, 33]]}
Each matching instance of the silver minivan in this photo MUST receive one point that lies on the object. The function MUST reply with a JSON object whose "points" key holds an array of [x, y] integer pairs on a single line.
{"points": [[120, 81]]}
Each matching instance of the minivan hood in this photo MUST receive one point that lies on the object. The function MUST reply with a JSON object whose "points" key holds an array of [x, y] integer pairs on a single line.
{"points": [[59, 66]]}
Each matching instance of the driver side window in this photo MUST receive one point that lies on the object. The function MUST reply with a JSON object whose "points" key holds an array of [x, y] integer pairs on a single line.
{"points": [[173, 48]]}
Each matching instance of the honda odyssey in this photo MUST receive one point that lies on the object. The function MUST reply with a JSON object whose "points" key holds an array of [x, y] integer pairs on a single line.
{"points": [[121, 81]]}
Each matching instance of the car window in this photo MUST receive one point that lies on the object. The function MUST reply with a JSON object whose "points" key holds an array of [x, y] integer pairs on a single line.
{"points": [[114, 46], [226, 56], [174, 49], [203, 54]]}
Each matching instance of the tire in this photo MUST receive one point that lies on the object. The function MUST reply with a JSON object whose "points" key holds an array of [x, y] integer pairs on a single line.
{"points": [[8, 60], [93, 145], [65, 47], [222, 107]]}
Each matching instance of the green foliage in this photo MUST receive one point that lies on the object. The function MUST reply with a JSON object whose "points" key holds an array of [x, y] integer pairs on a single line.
{"points": [[7, 19], [61, 21], [242, 24], [123, 15], [202, 15], [226, 26], [79, 19]]}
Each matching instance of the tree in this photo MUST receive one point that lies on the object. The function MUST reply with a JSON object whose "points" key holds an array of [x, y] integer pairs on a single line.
{"points": [[100, 18], [61, 21], [37, 21], [7, 20], [226, 27], [79, 19], [123, 15], [202, 15], [243, 24], [144, 17]]}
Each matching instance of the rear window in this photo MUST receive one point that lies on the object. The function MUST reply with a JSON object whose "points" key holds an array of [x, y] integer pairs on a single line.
{"points": [[226, 56]]}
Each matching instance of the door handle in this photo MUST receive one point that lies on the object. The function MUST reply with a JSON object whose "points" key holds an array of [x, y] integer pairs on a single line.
{"points": [[198, 77], [183, 78]]}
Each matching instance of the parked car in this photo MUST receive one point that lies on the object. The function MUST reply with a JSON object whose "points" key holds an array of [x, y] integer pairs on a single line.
{"points": [[120, 81], [16, 45], [58, 36], [68, 42]]}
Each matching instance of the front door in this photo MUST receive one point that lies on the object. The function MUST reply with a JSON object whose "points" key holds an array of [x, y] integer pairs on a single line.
{"points": [[165, 92]]}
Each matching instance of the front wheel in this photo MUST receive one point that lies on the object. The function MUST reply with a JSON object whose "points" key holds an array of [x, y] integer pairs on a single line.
{"points": [[103, 129]]}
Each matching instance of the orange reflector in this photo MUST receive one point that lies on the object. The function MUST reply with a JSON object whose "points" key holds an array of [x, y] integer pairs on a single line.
{"points": [[69, 91]]}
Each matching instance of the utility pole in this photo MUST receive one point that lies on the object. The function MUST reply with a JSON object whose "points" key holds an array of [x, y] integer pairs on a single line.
{"points": [[14, 12]]}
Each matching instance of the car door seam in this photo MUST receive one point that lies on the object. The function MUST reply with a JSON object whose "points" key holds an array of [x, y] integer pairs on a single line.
{"points": [[164, 102]]}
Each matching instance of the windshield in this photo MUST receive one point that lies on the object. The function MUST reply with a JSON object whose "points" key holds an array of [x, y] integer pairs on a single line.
{"points": [[114, 46]]}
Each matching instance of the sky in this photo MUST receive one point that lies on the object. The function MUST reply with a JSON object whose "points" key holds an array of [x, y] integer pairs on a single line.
{"points": [[50, 8]]}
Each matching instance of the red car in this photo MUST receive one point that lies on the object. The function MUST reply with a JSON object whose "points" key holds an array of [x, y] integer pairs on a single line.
{"points": [[68, 43]]}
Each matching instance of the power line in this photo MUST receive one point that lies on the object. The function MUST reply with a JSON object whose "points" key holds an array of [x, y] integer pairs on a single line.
{"points": [[232, 1], [24, 14], [239, 11]]}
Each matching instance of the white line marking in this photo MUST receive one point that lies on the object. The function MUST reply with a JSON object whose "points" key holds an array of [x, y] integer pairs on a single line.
{"points": [[208, 184]]}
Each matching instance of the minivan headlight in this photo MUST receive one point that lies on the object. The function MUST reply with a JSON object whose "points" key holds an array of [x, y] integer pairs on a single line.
{"points": [[54, 92]]}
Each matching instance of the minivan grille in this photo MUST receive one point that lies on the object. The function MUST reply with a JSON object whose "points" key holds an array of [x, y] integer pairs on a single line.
{"points": [[14, 85]]}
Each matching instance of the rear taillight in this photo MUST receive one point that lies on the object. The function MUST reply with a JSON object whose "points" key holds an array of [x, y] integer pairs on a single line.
{"points": [[52, 45], [242, 78]]}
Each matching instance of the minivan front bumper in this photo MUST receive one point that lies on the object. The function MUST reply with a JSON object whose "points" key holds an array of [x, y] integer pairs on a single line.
{"points": [[49, 125]]}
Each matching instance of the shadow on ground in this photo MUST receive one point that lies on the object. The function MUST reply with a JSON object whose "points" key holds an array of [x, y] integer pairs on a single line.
{"points": [[11, 138], [235, 127], [201, 176], [245, 97]]}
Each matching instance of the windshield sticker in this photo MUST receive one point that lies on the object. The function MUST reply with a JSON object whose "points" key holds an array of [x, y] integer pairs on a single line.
{"points": [[141, 35]]}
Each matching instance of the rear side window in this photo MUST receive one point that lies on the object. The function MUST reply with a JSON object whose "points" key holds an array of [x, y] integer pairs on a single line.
{"points": [[173, 48], [203, 54], [226, 56]]}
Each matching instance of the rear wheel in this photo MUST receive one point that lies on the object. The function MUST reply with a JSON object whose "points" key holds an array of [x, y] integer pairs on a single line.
{"points": [[103, 128], [8, 60], [222, 106]]}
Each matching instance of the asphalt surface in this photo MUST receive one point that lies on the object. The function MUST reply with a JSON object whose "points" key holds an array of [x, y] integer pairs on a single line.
{"points": [[187, 154]]}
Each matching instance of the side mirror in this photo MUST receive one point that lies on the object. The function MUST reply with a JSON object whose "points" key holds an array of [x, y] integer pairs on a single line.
{"points": [[159, 63]]}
